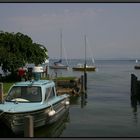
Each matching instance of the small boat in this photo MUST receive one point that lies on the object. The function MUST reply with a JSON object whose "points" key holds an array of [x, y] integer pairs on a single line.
{"points": [[85, 67], [58, 65], [37, 98], [137, 66]]}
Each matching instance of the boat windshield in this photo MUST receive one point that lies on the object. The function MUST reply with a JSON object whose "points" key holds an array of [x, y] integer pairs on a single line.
{"points": [[24, 94]]}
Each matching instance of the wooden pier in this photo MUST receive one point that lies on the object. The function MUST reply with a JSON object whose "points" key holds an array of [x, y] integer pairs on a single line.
{"points": [[71, 87], [135, 87], [74, 87], [135, 92]]}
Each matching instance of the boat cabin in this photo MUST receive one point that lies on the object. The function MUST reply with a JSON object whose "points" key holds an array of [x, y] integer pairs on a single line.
{"points": [[35, 91]]}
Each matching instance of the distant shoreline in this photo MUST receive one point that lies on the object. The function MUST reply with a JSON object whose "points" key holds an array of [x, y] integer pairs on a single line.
{"points": [[98, 59]]}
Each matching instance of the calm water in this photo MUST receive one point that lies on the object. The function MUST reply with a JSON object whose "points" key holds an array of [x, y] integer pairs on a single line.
{"points": [[107, 110]]}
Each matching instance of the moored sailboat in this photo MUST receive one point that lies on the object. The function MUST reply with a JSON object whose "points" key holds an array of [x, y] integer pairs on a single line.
{"points": [[58, 64], [85, 67]]}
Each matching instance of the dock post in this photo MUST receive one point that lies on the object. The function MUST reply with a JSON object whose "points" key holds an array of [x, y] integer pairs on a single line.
{"points": [[83, 92], [133, 85], [1, 92], [28, 126]]}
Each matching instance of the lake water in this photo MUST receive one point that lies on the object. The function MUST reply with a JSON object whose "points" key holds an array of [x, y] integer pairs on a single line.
{"points": [[107, 109]]}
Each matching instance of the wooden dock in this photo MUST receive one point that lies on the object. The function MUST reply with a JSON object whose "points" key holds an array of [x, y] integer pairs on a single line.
{"points": [[72, 87], [135, 92]]}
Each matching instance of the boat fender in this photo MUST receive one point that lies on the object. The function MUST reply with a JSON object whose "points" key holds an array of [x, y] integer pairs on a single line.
{"points": [[51, 112], [67, 102]]}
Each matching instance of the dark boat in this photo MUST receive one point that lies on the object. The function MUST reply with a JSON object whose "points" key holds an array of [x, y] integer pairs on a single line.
{"points": [[137, 66]]}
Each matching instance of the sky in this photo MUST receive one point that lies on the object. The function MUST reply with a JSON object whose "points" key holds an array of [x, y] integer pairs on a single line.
{"points": [[112, 29]]}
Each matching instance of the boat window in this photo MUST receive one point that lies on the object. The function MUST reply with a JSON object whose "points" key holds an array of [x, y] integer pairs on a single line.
{"points": [[46, 93], [49, 93], [25, 94], [14, 93], [52, 93]]}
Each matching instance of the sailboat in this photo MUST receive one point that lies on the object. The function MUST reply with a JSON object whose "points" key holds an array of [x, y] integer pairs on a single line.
{"points": [[137, 66], [85, 67], [58, 64]]}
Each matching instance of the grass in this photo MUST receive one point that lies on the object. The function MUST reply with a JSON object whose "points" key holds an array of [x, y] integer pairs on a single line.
{"points": [[65, 78], [6, 87]]}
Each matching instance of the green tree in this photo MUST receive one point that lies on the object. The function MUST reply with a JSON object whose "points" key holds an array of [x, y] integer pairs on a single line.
{"points": [[18, 49]]}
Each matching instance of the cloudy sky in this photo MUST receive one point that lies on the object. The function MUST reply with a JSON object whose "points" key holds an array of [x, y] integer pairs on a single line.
{"points": [[112, 29]]}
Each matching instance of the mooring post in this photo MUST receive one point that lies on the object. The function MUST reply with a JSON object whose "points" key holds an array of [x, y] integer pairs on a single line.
{"points": [[82, 90], [133, 85], [83, 98], [28, 126], [1, 92]]}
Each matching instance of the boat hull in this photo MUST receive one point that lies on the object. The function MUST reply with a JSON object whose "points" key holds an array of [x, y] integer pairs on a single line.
{"points": [[55, 129], [82, 69], [15, 121], [137, 67], [58, 67]]}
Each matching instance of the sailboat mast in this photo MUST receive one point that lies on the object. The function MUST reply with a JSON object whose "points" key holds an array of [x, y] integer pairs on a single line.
{"points": [[85, 52], [85, 74], [61, 44]]}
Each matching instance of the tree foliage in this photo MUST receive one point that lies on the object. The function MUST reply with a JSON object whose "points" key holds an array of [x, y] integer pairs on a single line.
{"points": [[18, 49]]}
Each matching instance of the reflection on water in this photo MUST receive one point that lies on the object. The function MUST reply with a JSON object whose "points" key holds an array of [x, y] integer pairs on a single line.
{"points": [[55, 129], [79, 100], [5, 132], [134, 103], [83, 99], [74, 100]]}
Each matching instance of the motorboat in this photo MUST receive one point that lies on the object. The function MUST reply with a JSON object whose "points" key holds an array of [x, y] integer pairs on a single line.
{"points": [[37, 98]]}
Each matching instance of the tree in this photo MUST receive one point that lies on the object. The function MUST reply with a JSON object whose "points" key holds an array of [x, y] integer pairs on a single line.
{"points": [[18, 49]]}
